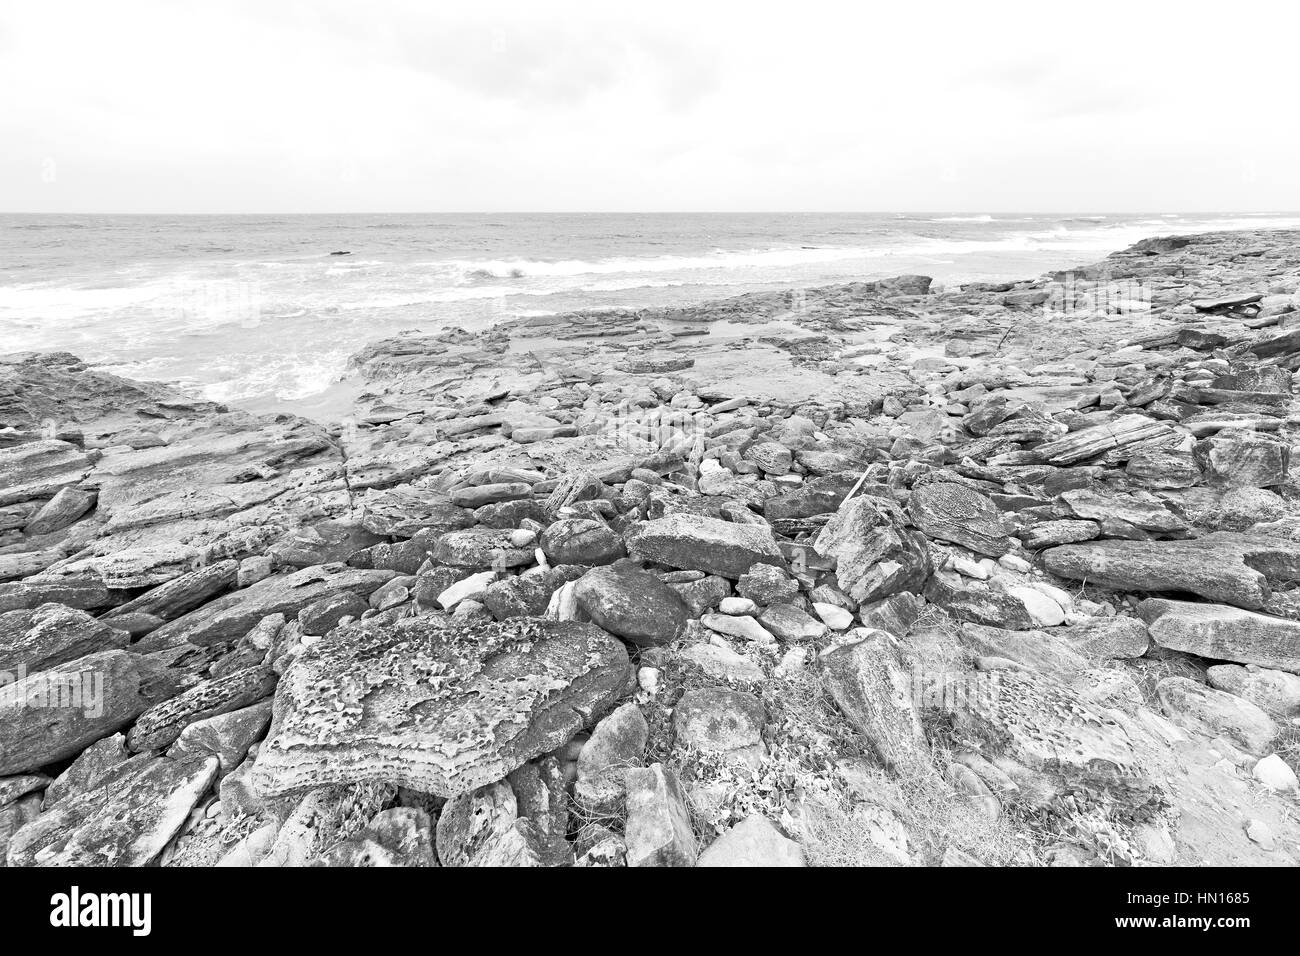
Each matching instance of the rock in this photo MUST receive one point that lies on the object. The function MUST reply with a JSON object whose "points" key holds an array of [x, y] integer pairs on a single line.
{"points": [[92, 768], [616, 745], [234, 615], [1042, 610], [738, 606], [478, 495], [658, 830], [1092, 442], [1274, 773], [1213, 713], [127, 822], [869, 681], [875, 556], [631, 603], [1147, 515], [181, 595], [821, 495], [398, 836], [1219, 567], [717, 720], [745, 628], [448, 706], [1274, 692], [1043, 725], [694, 542], [789, 623], [1108, 637], [773, 457], [51, 634], [480, 548], [836, 618], [754, 841], [39, 469], [55, 713], [581, 541], [321, 617], [484, 828], [767, 584], [721, 663], [161, 724], [1223, 633], [226, 736], [64, 509], [1161, 468], [953, 512], [526, 595], [710, 591], [469, 587], [85, 594], [979, 602], [11, 788], [1046, 534], [1239, 458]]}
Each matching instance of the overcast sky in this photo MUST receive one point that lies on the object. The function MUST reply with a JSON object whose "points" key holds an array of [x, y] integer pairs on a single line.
{"points": [[276, 106]]}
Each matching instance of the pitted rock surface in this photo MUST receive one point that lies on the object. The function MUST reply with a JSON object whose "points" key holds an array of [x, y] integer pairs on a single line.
{"points": [[439, 706]]}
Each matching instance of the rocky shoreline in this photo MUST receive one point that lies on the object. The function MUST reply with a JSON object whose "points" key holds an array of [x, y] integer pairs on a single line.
{"points": [[877, 573]]}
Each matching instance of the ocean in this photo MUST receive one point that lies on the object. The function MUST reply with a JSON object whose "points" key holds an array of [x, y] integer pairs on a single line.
{"points": [[259, 311]]}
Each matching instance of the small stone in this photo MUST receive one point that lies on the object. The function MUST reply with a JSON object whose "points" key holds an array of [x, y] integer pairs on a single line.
{"points": [[833, 616], [738, 605]]}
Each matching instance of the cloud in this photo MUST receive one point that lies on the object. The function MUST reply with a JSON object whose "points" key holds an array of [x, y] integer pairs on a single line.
{"points": [[401, 105]]}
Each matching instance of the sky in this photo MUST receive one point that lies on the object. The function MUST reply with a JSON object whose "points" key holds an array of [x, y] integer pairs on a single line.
{"points": [[391, 106]]}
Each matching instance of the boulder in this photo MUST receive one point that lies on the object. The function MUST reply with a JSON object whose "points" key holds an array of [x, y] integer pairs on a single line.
{"points": [[875, 555], [55, 713], [1239, 458], [1214, 713], [1223, 566], [398, 836], [39, 469], [439, 706], [581, 541], [51, 634], [695, 542], [872, 686], [1274, 692], [952, 512], [658, 828], [1223, 633], [754, 841], [616, 745], [631, 603], [126, 822], [232, 616], [161, 724]]}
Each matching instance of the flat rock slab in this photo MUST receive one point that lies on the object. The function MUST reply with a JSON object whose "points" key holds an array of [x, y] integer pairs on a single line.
{"points": [[1231, 568], [441, 707], [232, 616], [696, 543], [52, 634], [1223, 633], [127, 822], [38, 469], [55, 713]]}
